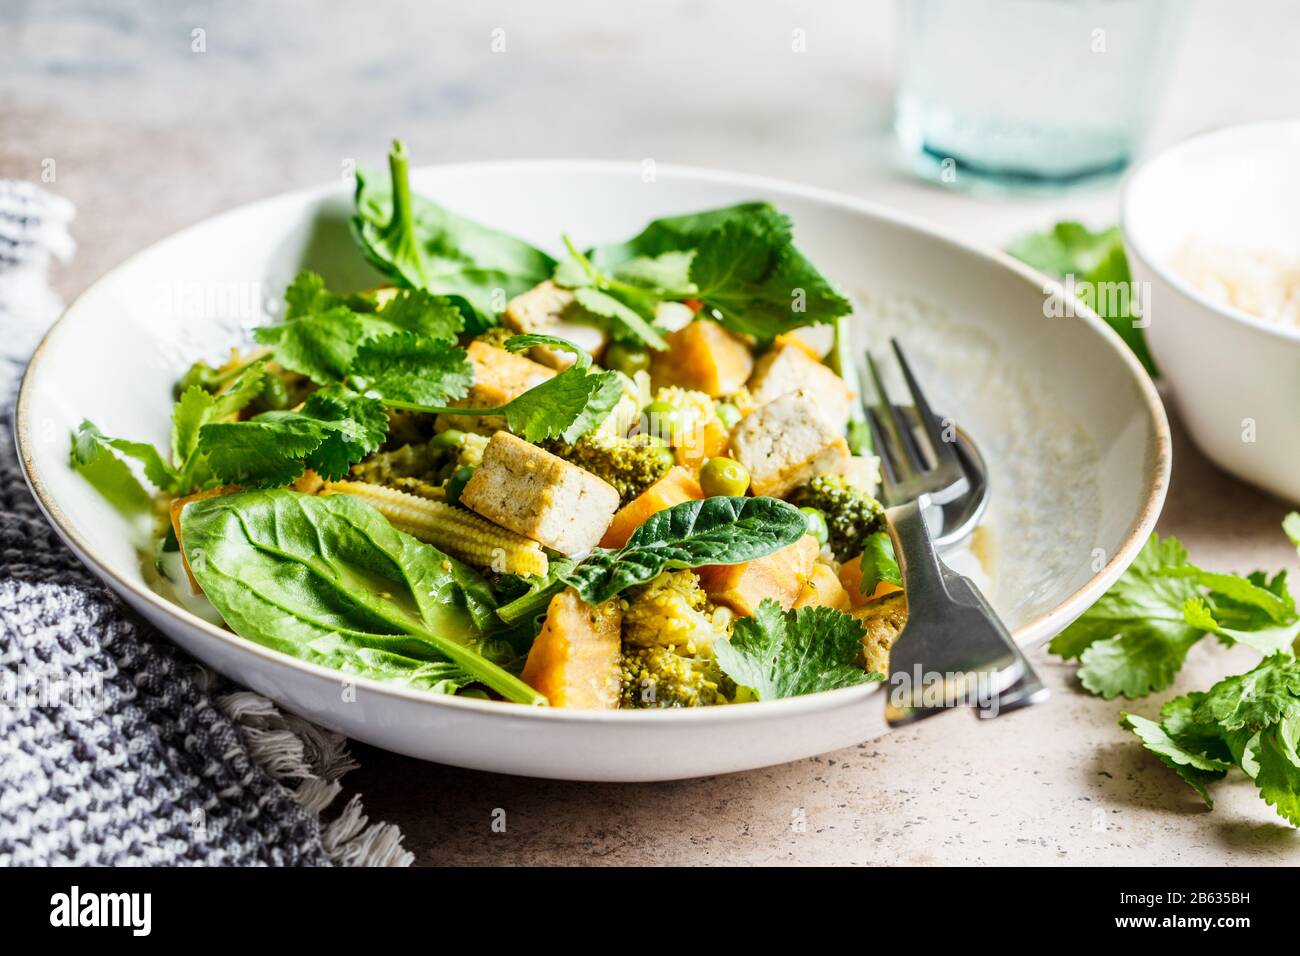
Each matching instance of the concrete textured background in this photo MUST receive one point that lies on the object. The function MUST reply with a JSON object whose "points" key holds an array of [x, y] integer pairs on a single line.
{"points": [[148, 136]]}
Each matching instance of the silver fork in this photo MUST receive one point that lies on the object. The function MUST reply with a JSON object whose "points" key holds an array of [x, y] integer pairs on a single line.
{"points": [[953, 649]]}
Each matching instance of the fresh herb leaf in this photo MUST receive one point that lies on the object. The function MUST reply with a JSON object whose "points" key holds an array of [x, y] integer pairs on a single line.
{"points": [[330, 581], [878, 563], [565, 407], [93, 459], [1277, 768], [1136, 637], [1266, 639], [693, 534], [411, 368], [780, 654], [423, 246], [1197, 769], [332, 431], [1097, 262], [743, 266], [626, 320], [320, 345], [1254, 700]]}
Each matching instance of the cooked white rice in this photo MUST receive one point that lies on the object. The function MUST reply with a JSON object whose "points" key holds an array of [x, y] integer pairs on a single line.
{"points": [[1263, 284]]}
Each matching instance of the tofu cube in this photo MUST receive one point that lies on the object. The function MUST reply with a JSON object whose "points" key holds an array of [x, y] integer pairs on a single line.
{"points": [[541, 496], [547, 309], [498, 377], [703, 357], [786, 442], [788, 367]]}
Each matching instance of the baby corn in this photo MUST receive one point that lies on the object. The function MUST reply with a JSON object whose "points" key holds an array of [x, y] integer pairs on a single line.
{"points": [[460, 533]]}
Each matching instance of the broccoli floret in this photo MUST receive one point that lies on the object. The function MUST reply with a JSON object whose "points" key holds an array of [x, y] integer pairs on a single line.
{"points": [[631, 465], [673, 610], [851, 513], [665, 677], [497, 336], [669, 630]]}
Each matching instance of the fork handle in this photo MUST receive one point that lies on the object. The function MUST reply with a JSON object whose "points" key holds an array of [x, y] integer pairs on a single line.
{"points": [[952, 634]]}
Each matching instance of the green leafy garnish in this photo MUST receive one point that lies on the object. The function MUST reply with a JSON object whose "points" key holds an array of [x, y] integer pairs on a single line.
{"points": [[1196, 768], [717, 530], [739, 261], [188, 471], [330, 581], [410, 368], [333, 430], [565, 407], [779, 653], [878, 563], [1136, 637], [1097, 261], [423, 246]]}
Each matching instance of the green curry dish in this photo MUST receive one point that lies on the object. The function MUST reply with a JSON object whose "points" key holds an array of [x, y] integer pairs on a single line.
{"points": [[330, 581]]}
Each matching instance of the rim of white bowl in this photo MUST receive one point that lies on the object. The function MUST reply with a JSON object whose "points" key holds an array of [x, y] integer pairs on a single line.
{"points": [[1139, 177], [1028, 634]]}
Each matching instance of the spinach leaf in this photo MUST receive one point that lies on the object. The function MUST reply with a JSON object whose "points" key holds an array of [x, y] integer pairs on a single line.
{"points": [[779, 653], [329, 580], [423, 246], [718, 530]]}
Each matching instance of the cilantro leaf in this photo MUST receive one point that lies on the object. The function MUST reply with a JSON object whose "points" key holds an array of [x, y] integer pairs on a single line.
{"points": [[779, 653], [630, 322], [333, 430], [1197, 769], [320, 345], [423, 246], [566, 406], [1254, 700], [1277, 772], [1266, 639], [107, 474], [411, 368], [307, 295], [1136, 637]]}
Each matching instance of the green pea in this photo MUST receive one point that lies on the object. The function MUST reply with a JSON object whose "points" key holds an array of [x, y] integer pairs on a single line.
{"points": [[724, 476], [620, 357], [451, 438], [727, 413], [456, 483], [816, 524], [662, 421]]}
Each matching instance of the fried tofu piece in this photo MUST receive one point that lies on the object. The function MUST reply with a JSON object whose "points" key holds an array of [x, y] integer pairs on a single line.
{"points": [[823, 589], [786, 442], [704, 357], [575, 660], [539, 495], [779, 576], [498, 377], [788, 367], [548, 309], [883, 621]]}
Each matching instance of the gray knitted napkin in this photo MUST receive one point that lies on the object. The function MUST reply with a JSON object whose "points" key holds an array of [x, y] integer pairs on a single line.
{"points": [[115, 746]]}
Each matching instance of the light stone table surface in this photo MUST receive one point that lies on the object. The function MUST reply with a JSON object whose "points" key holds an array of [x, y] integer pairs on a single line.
{"points": [[148, 135]]}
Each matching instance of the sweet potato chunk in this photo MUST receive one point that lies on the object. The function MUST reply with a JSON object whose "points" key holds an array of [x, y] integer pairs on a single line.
{"points": [[672, 489], [498, 377], [823, 589], [851, 578], [778, 576], [705, 357], [575, 660], [174, 512]]}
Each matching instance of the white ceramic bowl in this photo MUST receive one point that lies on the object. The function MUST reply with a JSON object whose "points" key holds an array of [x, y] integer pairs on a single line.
{"points": [[1235, 377], [1074, 434]]}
